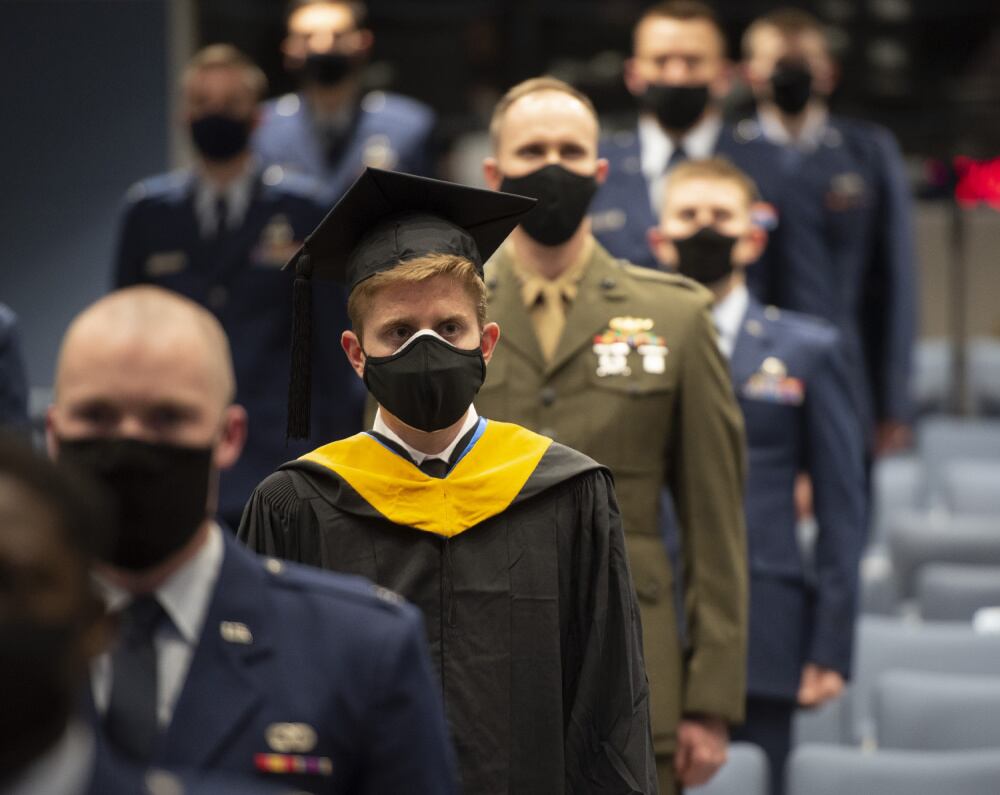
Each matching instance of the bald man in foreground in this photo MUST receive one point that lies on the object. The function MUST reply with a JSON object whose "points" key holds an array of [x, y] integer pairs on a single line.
{"points": [[227, 661]]}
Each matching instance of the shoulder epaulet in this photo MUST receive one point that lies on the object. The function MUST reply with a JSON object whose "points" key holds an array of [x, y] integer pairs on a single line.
{"points": [[395, 105], [665, 278], [285, 105], [294, 183], [810, 325], [346, 587], [159, 186]]}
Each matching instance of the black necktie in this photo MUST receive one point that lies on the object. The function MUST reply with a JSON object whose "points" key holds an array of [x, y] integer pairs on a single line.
{"points": [[434, 467], [221, 211], [131, 722], [677, 156]]}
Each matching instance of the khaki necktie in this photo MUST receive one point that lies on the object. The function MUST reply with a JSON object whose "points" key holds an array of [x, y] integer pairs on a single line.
{"points": [[545, 301]]}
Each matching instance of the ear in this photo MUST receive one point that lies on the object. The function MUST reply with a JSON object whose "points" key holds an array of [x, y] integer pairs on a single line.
{"points": [[749, 247], [355, 354], [491, 172], [99, 630], [491, 336], [721, 85], [635, 84], [662, 247], [51, 435], [234, 436], [601, 174], [365, 40]]}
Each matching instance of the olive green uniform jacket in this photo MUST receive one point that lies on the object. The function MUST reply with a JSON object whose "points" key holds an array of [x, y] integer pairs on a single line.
{"points": [[637, 382]]}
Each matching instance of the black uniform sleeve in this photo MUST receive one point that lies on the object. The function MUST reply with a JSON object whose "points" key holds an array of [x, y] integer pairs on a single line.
{"points": [[609, 747]]}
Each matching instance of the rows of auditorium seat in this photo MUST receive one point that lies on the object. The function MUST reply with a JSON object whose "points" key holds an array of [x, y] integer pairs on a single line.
{"points": [[922, 713]]}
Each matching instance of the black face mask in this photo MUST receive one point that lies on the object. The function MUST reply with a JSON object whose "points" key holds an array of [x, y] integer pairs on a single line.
{"points": [[675, 107], [220, 137], [563, 199], [38, 689], [160, 490], [706, 256], [791, 87], [428, 384], [327, 68]]}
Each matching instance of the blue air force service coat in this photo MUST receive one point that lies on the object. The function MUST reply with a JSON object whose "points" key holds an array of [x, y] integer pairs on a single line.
{"points": [[852, 192], [310, 680], [388, 131], [790, 379], [621, 212], [238, 277]]}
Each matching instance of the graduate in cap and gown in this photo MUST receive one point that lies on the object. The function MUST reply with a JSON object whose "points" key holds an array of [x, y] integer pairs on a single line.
{"points": [[510, 543]]}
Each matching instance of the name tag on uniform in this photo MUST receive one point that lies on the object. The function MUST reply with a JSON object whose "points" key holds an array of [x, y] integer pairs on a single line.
{"points": [[276, 244], [772, 384], [608, 220], [165, 263], [847, 191]]}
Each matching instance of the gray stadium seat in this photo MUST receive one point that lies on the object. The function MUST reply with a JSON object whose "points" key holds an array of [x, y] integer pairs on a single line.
{"points": [[984, 375], [972, 487], [830, 724], [879, 591], [953, 592], [833, 770], [944, 439], [886, 644], [898, 486], [915, 540], [745, 773], [937, 712], [931, 383]]}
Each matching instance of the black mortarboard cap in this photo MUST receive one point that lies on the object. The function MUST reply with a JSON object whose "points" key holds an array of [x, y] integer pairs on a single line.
{"points": [[384, 219]]}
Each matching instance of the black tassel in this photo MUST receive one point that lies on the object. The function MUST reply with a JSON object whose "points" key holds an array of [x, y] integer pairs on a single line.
{"points": [[300, 376]]}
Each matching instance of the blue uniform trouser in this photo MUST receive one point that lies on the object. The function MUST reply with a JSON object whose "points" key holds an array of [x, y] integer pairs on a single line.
{"points": [[769, 725]]}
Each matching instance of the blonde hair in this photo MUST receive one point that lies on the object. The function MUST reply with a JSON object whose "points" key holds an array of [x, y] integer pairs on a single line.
{"points": [[226, 56], [411, 272], [714, 168], [534, 85]]}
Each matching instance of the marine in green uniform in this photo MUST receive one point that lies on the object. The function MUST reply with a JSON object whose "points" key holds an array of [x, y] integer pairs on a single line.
{"points": [[621, 363], [510, 543]]}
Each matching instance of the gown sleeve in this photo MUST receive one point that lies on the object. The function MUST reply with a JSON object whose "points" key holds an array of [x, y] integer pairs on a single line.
{"points": [[609, 746], [274, 519]]}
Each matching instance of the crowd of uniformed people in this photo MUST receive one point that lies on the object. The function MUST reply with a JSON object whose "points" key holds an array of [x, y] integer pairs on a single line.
{"points": [[553, 440]]}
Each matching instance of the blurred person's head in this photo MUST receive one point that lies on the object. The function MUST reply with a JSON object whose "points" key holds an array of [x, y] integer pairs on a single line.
{"points": [[326, 41], [51, 622], [787, 61], [221, 89], [678, 70], [706, 230], [545, 136], [143, 402]]}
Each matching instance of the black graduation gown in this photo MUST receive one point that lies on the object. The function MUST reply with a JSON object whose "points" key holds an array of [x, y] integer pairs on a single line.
{"points": [[517, 560]]}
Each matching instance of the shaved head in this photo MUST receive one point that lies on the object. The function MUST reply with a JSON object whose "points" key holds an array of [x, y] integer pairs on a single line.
{"points": [[149, 323], [146, 363]]}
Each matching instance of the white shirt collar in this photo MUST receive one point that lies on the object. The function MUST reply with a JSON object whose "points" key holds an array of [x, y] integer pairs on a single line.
{"points": [[728, 315], [656, 148], [67, 768], [809, 138], [471, 418], [185, 596], [237, 195]]}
